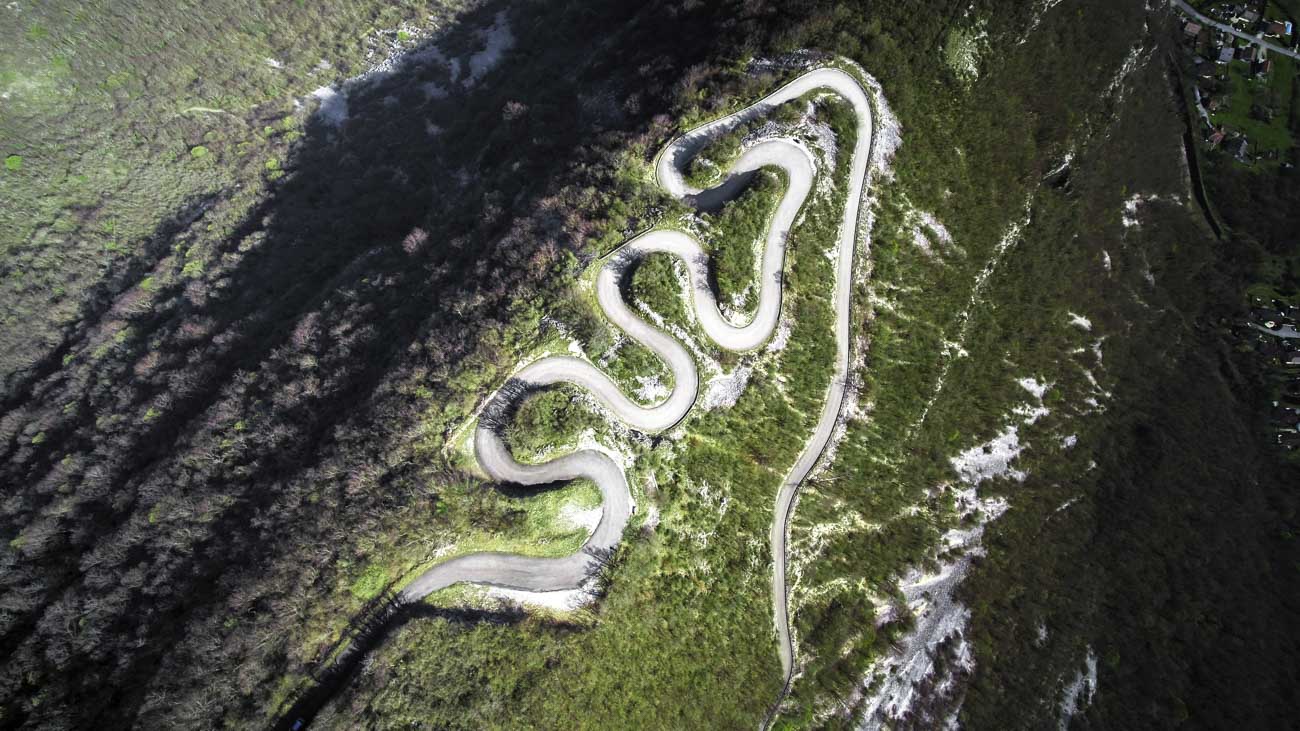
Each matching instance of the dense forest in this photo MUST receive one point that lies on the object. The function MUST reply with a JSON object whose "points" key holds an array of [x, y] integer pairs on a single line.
{"points": [[245, 324]]}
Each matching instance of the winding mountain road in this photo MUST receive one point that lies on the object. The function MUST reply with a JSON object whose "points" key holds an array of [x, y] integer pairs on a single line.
{"points": [[549, 574]]}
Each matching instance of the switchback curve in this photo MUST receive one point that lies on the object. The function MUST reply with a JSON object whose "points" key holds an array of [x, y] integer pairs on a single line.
{"points": [[549, 574]]}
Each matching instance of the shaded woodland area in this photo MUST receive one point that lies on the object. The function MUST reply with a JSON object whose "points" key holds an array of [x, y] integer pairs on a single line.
{"points": [[206, 451]]}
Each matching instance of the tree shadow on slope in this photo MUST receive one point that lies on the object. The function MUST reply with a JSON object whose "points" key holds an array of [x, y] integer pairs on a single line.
{"points": [[369, 630], [210, 432]]}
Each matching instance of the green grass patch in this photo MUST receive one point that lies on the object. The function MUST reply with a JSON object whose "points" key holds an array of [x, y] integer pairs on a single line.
{"points": [[1259, 107], [530, 521], [370, 583], [735, 239]]}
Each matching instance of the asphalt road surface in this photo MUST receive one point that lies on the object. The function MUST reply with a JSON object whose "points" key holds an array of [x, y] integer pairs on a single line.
{"points": [[1256, 39], [550, 574]]}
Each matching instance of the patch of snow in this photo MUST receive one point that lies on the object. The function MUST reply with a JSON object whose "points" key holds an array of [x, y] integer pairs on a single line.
{"points": [[991, 459], [940, 231], [577, 517], [274, 63], [1069, 441], [723, 390], [1105, 260], [781, 338], [652, 517], [333, 105], [1009, 237], [887, 137], [1063, 166], [850, 408], [1129, 217], [1043, 7], [499, 40], [651, 390], [394, 47], [622, 457], [823, 138], [565, 600], [1080, 692], [1131, 63], [812, 541], [887, 134], [1031, 414], [1033, 386], [964, 50], [1080, 321], [938, 618], [927, 229], [920, 241]]}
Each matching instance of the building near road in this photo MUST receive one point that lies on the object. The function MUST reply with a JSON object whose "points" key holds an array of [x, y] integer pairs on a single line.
{"points": [[1238, 148]]}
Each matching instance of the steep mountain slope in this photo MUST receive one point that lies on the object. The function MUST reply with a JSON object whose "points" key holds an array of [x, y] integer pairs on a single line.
{"points": [[250, 316]]}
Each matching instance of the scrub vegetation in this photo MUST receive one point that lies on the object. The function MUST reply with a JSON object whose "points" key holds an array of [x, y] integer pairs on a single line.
{"points": [[245, 329]]}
